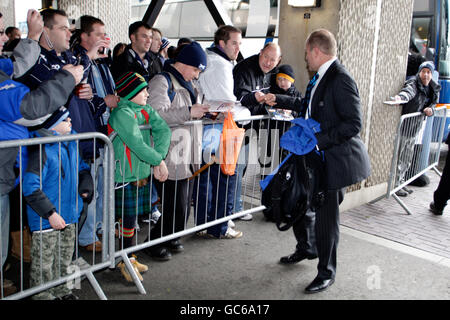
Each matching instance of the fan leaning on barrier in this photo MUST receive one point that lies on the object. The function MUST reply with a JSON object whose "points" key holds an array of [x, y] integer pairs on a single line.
{"points": [[298, 183]]}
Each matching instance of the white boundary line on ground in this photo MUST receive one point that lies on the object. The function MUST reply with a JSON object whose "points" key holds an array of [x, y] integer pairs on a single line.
{"points": [[443, 261]]}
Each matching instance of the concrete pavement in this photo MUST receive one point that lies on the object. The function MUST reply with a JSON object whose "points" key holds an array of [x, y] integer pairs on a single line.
{"points": [[369, 267], [383, 254]]}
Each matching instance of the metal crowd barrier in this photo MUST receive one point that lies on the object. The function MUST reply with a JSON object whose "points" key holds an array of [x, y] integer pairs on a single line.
{"points": [[256, 155], [417, 147], [75, 272], [260, 155], [416, 150]]}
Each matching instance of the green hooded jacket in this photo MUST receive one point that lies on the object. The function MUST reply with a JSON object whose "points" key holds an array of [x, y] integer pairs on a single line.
{"points": [[133, 149]]}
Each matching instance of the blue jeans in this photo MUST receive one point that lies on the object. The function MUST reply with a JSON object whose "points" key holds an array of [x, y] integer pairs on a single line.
{"points": [[4, 227], [154, 197], [94, 218], [239, 173], [215, 198]]}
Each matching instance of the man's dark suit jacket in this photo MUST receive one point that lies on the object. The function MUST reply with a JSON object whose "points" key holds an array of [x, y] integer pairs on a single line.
{"points": [[336, 106]]}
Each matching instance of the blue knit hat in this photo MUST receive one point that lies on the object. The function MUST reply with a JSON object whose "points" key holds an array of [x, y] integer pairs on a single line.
{"points": [[427, 64], [164, 43], [55, 118], [192, 55]]}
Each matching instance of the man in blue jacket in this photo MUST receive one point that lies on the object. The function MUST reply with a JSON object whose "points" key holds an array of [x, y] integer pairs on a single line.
{"points": [[89, 43], [22, 107], [55, 54]]}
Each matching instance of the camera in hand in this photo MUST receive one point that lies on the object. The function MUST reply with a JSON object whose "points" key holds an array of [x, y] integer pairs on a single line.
{"points": [[103, 50]]}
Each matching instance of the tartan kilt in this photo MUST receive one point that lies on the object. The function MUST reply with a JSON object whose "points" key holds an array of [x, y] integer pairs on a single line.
{"points": [[131, 205]]}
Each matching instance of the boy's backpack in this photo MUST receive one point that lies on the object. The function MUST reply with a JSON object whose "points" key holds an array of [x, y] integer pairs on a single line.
{"points": [[170, 89], [298, 185]]}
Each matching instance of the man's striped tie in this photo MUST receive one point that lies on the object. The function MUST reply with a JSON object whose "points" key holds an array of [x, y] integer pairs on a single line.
{"points": [[309, 88]]}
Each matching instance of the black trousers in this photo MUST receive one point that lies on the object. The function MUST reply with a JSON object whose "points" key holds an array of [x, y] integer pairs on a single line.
{"points": [[176, 203], [318, 233], [15, 210], [442, 193]]}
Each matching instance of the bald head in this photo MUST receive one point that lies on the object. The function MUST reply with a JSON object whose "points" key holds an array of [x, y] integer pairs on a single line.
{"points": [[269, 57], [320, 47], [324, 40]]}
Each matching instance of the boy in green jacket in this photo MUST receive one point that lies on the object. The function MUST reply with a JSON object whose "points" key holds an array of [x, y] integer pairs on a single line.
{"points": [[135, 156]]}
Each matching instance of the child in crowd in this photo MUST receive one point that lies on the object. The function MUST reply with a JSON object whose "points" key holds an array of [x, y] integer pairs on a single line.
{"points": [[135, 156], [50, 189], [287, 97], [284, 97]]}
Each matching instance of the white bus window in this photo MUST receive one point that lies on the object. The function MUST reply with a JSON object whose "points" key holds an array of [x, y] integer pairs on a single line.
{"points": [[191, 19], [255, 18]]}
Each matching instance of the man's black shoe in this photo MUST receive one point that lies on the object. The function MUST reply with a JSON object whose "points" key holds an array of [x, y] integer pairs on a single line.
{"points": [[158, 253], [435, 210], [175, 246], [318, 285], [401, 193], [297, 256], [69, 296], [408, 190]]}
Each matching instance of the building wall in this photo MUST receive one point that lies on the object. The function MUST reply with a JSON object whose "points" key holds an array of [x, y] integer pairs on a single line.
{"points": [[294, 28], [114, 13], [7, 10], [373, 41], [390, 74]]}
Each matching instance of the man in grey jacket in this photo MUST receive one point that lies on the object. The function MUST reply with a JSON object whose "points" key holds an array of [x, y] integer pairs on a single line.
{"points": [[175, 97], [22, 107]]}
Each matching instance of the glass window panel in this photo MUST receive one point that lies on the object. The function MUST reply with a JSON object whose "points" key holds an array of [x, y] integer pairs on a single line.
{"points": [[186, 19], [238, 11], [191, 18], [168, 20], [196, 21], [444, 49], [420, 34]]}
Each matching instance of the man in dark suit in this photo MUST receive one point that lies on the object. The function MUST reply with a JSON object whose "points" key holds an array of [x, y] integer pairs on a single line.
{"points": [[332, 99], [442, 194]]}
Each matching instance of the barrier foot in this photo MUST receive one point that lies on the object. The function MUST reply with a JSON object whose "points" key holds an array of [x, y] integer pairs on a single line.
{"points": [[377, 199], [437, 171], [130, 269], [96, 286], [400, 202]]}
